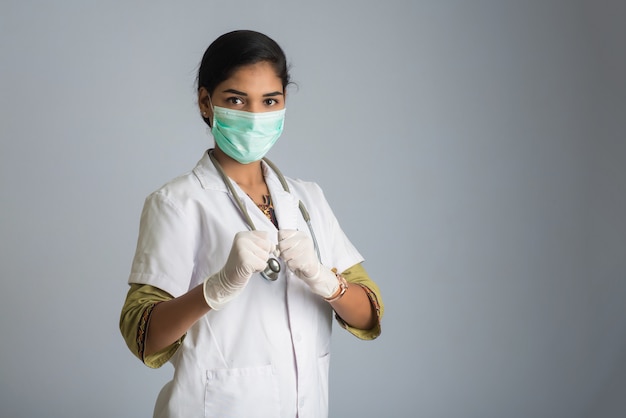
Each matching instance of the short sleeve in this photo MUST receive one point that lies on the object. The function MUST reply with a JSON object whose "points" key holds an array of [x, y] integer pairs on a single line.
{"points": [[164, 257]]}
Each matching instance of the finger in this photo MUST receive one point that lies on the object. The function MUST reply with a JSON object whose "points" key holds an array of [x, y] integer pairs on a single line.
{"points": [[260, 234], [290, 240], [261, 240], [256, 258], [286, 233], [297, 252]]}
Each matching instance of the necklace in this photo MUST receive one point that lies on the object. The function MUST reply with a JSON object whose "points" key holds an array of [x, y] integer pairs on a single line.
{"points": [[267, 207]]}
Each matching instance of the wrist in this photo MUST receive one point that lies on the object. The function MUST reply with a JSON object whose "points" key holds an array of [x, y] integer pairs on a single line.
{"points": [[342, 287], [217, 290]]}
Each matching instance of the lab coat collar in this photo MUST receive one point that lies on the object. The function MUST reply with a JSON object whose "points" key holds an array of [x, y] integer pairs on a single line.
{"points": [[210, 178], [285, 204], [207, 174]]}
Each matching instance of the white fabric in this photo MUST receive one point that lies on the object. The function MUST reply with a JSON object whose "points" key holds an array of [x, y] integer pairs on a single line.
{"points": [[266, 353]]}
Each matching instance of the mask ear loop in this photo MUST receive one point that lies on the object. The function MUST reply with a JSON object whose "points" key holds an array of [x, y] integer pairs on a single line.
{"points": [[211, 124], [212, 108]]}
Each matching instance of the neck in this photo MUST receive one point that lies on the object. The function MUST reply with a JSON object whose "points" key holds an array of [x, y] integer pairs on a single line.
{"points": [[245, 175]]}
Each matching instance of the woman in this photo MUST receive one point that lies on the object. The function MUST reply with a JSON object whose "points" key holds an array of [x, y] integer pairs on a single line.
{"points": [[243, 342]]}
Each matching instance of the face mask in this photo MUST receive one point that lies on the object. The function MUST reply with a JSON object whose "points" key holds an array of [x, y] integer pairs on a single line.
{"points": [[246, 136]]}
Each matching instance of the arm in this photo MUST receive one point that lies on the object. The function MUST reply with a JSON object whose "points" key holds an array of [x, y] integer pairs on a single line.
{"points": [[153, 323], [170, 320], [355, 309], [356, 276], [134, 319]]}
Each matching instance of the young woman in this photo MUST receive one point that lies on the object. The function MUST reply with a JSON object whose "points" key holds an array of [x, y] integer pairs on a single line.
{"points": [[229, 282]]}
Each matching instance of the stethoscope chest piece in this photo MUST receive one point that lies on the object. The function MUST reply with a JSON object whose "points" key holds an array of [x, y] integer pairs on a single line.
{"points": [[271, 271]]}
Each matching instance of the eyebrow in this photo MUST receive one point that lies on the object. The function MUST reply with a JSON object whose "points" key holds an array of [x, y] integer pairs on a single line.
{"points": [[241, 93]]}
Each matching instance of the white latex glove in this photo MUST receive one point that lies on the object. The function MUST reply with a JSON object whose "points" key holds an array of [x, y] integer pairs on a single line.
{"points": [[248, 255], [298, 251]]}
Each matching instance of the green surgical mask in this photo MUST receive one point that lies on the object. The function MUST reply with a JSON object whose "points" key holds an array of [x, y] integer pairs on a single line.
{"points": [[246, 136]]}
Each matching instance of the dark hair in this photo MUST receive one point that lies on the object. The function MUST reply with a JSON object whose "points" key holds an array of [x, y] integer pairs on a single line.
{"points": [[235, 49]]}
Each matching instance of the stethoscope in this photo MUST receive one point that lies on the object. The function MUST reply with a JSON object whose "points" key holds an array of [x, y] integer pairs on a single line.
{"points": [[273, 266]]}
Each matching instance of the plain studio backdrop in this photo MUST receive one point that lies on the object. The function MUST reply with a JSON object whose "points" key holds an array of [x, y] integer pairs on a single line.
{"points": [[473, 151]]}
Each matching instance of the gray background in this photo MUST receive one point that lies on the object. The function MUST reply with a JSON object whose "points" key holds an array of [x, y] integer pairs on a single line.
{"points": [[474, 151]]}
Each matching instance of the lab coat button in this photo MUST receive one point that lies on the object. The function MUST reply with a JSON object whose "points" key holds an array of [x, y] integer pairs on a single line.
{"points": [[297, 337]]}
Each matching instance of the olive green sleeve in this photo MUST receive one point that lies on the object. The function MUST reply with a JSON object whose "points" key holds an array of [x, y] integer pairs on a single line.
{"points": [[134, 320], [357, 275]]}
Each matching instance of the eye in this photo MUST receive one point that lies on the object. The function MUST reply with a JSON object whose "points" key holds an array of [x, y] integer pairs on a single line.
{"points": [[234, 100], [271, 102]]}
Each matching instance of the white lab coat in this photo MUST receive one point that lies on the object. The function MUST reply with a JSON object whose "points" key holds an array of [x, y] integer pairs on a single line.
{"points": [[266, 353]]}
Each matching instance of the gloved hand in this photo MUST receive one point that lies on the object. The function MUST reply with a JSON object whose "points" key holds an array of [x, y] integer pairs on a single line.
{"points": [[248, 255], [298, 251]]}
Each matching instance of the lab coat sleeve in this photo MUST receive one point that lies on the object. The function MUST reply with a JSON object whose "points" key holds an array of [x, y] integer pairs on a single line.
{"points": [[164, 257]]}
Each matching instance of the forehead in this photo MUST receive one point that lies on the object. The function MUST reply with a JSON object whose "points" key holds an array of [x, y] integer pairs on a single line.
{"points": [[256, 77]]}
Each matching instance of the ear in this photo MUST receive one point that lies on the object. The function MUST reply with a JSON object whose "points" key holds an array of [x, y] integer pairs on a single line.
{"points": [[204, 104]]}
